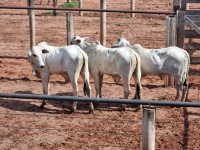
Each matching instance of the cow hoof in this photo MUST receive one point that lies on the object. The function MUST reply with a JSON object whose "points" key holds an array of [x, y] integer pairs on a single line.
{"points": [[91, 111], [122, 109], [72, 111], [42, 106], [138, 107]]}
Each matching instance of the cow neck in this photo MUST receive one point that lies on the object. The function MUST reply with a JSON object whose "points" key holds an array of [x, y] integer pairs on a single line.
{"points": [[85, 46]]}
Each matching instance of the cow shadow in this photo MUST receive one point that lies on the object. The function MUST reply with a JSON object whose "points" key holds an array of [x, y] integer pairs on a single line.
{"points": [[194, 72], [149, 86], [27, 105], [84, 106]]}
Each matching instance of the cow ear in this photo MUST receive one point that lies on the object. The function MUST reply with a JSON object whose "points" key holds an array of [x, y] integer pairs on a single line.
{"points": [[44, 51], [87, 39], [29, 55]]}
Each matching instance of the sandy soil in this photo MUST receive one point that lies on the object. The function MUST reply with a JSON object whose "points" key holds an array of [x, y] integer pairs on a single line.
{"points": [[24, 125]]}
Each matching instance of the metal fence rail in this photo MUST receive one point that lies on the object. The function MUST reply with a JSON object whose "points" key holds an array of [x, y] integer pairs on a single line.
{"points": [[92, 10], [103, 100]]}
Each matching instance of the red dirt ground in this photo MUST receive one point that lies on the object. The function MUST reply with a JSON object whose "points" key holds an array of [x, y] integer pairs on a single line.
{"points": [[24, 125]]}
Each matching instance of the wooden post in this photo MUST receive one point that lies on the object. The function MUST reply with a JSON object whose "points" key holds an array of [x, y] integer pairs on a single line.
{"points": [[68, 1], [54, 6], [32, 23], [170, 31], [28, 4], [70, 27], [183, 5], [103, 23], [181, 28], [170, 41], [176, 4], [148, 129], [132, 7], [80, 6]]}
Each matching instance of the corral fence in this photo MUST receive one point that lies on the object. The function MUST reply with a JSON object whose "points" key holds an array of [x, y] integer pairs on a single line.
{"points": [[148, 132], [170, 32], [149, 113]]}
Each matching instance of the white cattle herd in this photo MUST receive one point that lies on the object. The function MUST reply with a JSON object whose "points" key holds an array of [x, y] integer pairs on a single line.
{"points": [[121, 61]]}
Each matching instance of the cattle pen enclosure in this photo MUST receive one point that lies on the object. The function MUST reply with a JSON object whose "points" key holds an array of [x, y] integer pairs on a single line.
{"points": [[24, 126]]}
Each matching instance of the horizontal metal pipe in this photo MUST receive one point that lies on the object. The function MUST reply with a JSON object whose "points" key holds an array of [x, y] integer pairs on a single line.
{"points": [[102, 100], [94, 10]]}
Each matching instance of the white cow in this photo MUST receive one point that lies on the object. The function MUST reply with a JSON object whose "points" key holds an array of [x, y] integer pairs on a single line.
{"points": [[67, 61], [122, 62], [171, 60]]}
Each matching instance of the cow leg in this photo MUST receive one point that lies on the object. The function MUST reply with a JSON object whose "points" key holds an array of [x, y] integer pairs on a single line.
{"points": [[184, 91], [126, 86], [138, 89], [88, 90], [74, 84], [177, 94], [75, 93], [97, 85], [45, 87], [100, 84]]}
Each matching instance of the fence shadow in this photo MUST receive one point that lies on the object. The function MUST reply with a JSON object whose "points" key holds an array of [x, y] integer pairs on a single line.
{"points": [[194, 72], [26, 79], [186, 128], [27, 106], [14, 57]]}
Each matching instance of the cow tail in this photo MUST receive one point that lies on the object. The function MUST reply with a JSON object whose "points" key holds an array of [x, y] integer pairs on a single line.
{"points": [[185, 76], [187, 65], [86, 87], [138, 76]]}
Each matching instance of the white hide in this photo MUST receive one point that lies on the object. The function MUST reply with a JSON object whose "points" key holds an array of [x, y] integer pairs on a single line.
{"points": [[68, 61], [164, 61], [122, 62]]}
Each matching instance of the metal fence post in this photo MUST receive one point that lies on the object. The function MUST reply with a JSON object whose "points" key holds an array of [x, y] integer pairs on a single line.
{"points": [[70, 27], [148, 129]]}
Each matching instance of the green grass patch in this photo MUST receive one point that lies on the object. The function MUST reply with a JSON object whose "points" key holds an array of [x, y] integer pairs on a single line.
{"points": [[69, 5]]}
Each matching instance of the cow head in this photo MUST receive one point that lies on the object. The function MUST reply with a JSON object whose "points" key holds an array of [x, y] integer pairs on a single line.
{"points": [[35, 58], [121, 42], [77, 40]]}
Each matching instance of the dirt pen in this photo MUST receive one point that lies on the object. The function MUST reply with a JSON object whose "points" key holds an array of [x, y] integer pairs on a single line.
{"points": [[24, 125]]}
